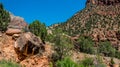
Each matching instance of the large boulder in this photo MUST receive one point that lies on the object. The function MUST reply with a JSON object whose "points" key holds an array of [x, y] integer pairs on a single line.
{"points": [[28, 44]]}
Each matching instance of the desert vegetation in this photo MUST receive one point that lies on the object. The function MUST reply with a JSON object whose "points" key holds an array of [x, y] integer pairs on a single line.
{"points": [[39, 29], [89, 32], [4, 63]]}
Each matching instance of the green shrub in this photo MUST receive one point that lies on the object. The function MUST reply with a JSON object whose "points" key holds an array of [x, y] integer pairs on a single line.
{"points": [[4, 63], [53, 37], [117, 54], [39, 29], [50, 38], [66, 62], [107, 49], [86, 45], [87, 62], [4, 18]]}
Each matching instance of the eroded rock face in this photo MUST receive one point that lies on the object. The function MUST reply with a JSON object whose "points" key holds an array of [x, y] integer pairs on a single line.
{"points": [[17, 22], [17, 25], [110, 35], [28, 44]]}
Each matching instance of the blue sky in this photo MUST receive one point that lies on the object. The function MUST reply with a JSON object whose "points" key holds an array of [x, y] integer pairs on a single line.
{"points": [[47, 11]]}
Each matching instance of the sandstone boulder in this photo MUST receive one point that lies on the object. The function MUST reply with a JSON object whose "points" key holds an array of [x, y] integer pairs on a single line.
{"points": [[28, 44], [12, 31]]}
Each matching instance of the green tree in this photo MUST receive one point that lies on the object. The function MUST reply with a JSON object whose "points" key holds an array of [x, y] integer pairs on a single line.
{"points": [[62, 45], [39, 29], [4, 18]]}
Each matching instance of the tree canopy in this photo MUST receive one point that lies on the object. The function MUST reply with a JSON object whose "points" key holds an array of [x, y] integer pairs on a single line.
{"points": [[39, 29], [4, 18]]}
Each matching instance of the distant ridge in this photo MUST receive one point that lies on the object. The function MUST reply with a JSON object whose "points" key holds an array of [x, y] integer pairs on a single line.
{"points": [[100, 19]]}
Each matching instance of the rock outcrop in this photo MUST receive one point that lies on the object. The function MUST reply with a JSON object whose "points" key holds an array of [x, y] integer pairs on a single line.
{"points": [[17, 22], [12, 31], [28, 44], [111, 35], [17, 25]]}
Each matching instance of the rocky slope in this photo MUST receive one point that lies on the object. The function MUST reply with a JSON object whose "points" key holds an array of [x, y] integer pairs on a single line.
{"points": [[100, 19], [7, 52], [23, 47]]}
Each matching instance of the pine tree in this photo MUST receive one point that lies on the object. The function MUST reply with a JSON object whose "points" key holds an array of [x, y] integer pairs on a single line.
{"points": [[4, 18]]}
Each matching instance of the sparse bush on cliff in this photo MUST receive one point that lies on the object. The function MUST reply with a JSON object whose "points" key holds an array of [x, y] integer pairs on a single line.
{"points": [[39, 29], [62, 47], [4, 18], [86, 45], [107, 49], [117, 54]]}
